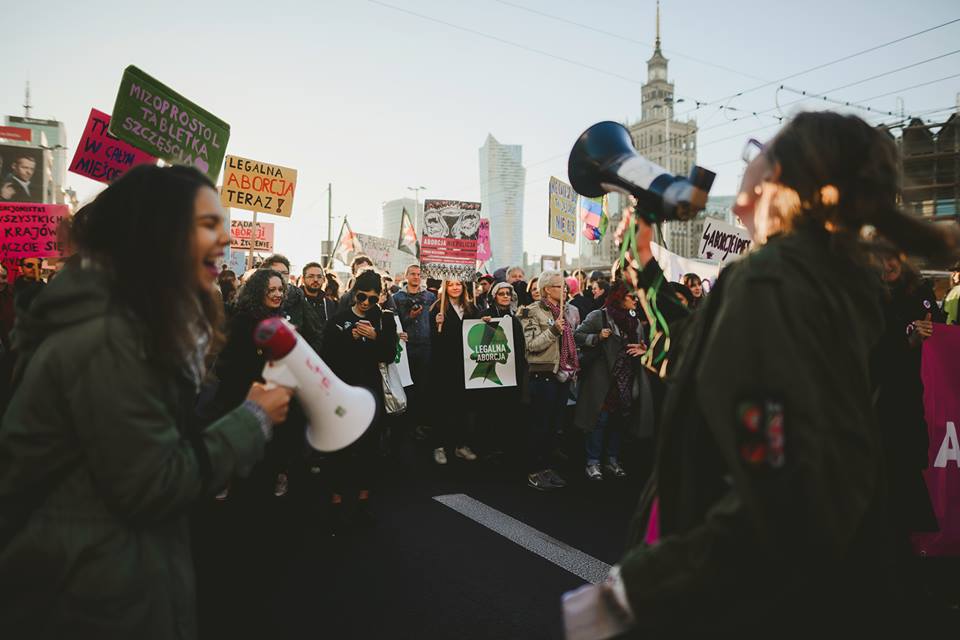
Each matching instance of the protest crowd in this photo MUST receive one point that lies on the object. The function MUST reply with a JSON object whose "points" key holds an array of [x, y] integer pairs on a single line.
{"points": [[734, 389]]}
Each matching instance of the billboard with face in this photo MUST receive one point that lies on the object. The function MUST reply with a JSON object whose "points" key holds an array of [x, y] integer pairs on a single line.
{"points": [[21, 174]]}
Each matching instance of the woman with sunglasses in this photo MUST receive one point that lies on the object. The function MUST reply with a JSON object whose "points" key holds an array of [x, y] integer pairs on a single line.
{"points": [[766, 507], [358, 340], [454, 417]]}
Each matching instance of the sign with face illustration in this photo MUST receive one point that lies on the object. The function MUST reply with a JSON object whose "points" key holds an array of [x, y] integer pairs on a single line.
{"points": [[488, 354], [448, 249]]}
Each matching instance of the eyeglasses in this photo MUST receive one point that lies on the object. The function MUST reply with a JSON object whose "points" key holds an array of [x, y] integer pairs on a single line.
{"points": [[362, 297], [752, 150]]}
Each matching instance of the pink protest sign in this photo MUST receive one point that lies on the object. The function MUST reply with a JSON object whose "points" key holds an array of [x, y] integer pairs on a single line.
{"points": [[29, 231], [940, 371], [100, 156], [483, 241]]}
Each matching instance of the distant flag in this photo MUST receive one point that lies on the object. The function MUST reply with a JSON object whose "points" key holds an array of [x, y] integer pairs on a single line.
{"points": [[408, 236], [593, 213], [347, 244]]}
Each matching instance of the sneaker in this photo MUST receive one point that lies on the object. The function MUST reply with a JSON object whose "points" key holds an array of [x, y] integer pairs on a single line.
{"points": [[223, 495], [465, 453], [614, 468], [593, 472], [540, 481], [440, 456], [555, 478], [281, 485]]}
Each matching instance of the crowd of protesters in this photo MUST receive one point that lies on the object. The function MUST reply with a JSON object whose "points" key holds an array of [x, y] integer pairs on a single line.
{"points": [[185, 374]]}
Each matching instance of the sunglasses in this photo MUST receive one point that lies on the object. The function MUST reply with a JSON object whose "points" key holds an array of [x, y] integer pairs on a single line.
{"points": [[361, 297], [751, 150]]}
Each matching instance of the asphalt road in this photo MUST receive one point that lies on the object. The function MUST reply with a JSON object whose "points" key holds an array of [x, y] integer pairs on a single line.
{"points": [[275, 568]]}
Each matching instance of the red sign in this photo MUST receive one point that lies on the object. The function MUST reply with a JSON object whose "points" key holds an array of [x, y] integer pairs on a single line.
{"points": [[16, 133], [940, 371], [100, 156]]}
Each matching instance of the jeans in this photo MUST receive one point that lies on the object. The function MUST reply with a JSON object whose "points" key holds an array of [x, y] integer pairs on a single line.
{"points": [[595, 440], [548, 397]]}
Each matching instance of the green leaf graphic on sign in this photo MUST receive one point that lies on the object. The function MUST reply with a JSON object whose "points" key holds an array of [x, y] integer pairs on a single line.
{"points": [[396, 359], [490, 347]]}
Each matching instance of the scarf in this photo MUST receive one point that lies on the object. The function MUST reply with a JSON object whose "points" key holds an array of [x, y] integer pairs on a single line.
{"points": [[620, 396], [568, 348]]}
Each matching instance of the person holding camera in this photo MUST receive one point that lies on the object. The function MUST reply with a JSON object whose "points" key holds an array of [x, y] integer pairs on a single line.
{"points": [[413, 303]]}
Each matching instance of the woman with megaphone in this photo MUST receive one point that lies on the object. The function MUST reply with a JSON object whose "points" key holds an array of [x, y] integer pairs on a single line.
{"points": [[765, 511], [98, 460]]}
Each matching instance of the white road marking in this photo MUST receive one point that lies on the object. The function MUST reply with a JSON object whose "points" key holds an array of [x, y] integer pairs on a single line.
{"points": [[563, 555]]}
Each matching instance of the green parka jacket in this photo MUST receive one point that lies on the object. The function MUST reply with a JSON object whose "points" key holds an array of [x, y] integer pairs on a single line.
{"points": [[769, 475], [97, 471]]}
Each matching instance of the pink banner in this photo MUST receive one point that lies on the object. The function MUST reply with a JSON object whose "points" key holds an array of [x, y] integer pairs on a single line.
{"points": [[29, 231], [102, 157], [483, 241], [242, 230], [940, 371]]}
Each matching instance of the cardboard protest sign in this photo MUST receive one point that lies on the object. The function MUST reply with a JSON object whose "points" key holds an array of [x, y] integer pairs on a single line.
{"points": [[563, 211], [156, 119], [940, 372], [258, 186], [488, 354], [722, 242], [380, 250], [101, 156], [241, 232], [403, 358], [30, 231], [484, 252], [448, 249]]}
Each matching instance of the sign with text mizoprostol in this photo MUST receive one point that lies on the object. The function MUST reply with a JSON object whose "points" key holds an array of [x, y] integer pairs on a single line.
{"points": [[155, 118], [258, 186]]}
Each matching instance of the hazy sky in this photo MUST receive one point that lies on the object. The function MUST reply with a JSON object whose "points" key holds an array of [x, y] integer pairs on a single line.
{"points": [[374, 99]]}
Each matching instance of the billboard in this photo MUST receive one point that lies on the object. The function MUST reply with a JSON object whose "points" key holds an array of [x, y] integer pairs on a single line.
{"points": [[22, 171]]}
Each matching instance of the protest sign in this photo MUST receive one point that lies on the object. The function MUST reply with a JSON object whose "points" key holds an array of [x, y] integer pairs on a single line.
{"points": [[156, 119], [380, 250], [675, 267], [488, 354], [241, 232], [563, 211], [722, 242], [30, 231], [940, 372], [484, 251], [258, 186], [449, 246], [101, 156], [403, 358]]}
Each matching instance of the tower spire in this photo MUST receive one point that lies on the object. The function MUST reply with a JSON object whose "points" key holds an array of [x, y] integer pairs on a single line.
{"points": [[26, 105], [658, 24]]}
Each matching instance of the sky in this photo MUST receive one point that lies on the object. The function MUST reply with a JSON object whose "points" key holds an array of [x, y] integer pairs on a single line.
{"points": [[375, 96]]}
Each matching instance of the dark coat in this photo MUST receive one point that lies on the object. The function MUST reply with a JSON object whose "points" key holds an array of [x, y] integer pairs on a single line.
{"points": [[520, 360], [596, 380], [446, 358], [97, 470], [241, 363], [357, 362], [769, 472]]}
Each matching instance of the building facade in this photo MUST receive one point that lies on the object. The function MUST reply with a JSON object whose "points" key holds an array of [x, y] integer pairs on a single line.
{"points": [[392, 215], [502, 178]]}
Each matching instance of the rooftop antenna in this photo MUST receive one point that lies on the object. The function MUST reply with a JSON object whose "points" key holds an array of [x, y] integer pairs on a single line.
{"points": [[26, 105]]}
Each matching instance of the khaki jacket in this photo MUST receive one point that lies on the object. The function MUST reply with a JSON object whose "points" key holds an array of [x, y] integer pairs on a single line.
{"points": [[542, 336]]}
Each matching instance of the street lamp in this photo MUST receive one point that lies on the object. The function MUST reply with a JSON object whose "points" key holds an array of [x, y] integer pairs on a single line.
{"points": [[416, 206]]}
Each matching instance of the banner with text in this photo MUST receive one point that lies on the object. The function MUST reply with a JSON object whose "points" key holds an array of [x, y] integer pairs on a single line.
{"points": [[448, 249], [675, 266], [378, 249], [722, 242], [940, 371], [156, 119], [101, 156], [30, 231], [241, 232], [258, 186], [16, 133], [563, 211], [488, 354], [484, 251]]}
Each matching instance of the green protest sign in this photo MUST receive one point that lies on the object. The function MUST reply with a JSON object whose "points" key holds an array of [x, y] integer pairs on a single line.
{"points": [[488, 354], [153, 117]]}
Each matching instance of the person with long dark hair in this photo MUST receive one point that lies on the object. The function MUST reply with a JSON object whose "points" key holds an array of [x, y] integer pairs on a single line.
{"points": [[454, 418], [766, 507], [99, 462]]}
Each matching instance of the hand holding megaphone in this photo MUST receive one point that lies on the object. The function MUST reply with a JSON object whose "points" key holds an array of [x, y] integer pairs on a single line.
{"points": [[275, 401], [337, 413]]}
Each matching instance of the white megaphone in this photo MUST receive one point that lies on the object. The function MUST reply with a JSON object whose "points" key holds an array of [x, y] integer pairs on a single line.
{"points": [[337, 413]]}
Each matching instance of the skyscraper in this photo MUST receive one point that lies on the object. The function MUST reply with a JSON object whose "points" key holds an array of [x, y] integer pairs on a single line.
{"points": [[502, 179]]}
